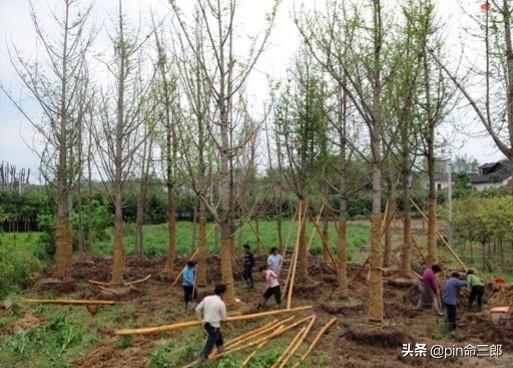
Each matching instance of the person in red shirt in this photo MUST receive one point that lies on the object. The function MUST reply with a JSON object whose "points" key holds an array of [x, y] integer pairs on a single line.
{"points": [[273, 287], [429, 288]]}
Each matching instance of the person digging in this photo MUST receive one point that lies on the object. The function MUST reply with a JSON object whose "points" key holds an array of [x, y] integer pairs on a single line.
{"points": [[212, 311], [450, 297], [428, 288], [273, 287], [476, 290]]}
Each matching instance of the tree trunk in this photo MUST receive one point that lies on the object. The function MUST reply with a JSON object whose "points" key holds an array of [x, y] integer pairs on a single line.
{"points": [[406, 248], [302, 260], [387, 254], [202, 247], [118, 259], [171, 229]]}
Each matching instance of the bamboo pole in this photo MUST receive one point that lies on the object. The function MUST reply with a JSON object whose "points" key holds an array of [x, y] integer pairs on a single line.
{"points": [[69, 301], [289, 236], [315, 341], [254, 333], [384, 224], [317, 219], [418, 249], [193, 256], [289, 347], [259, 346], [325, 244], [298, 343], [302, 216], [259, 239], [180, 325], [447, 245]]}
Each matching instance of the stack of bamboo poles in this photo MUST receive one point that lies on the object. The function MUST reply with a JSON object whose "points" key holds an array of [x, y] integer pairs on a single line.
{"points": [[258, 338]]}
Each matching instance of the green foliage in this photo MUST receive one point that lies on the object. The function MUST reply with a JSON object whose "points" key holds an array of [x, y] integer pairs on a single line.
{"points": [[46, 224], [47, 346], [18, 261], [481, 219]]}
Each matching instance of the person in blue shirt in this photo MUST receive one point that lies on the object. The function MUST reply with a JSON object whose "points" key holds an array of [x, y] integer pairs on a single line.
{"points": [[189, 283], [450, 297]]}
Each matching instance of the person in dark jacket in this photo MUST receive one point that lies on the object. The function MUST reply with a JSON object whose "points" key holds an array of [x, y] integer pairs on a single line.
{"points": [[249, 263], [450, 297]]}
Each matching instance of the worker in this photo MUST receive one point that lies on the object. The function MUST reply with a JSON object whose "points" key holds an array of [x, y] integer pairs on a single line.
{"points": [[476, 290], [275, 260], [428, 288], [450, 297], [272, 286], [189, 284], [249, 263], [212, 311]]}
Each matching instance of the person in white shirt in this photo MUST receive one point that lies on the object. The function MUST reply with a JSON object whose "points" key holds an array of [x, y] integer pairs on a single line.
{"points": [[212, 311], [275, 260]]}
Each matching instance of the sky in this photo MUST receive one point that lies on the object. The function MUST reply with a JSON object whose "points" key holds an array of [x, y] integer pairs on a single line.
{"points": [[17, 135]]}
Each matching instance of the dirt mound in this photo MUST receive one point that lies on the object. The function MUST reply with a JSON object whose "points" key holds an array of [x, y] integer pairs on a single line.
{"points": [[50, 284], [92, 268], [339, 306], [387, 337]]}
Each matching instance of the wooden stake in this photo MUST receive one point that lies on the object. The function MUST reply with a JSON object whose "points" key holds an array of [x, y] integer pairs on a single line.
{"points": [[315, 341], [447, 245], [180, 325], [69, 301]]}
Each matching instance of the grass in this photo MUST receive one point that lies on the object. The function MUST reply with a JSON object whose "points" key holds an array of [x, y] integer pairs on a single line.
{"points": [[155, 238], [21, 255]]}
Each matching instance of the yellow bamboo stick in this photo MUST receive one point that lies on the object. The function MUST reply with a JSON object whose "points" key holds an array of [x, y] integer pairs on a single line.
{"points": [[260, 346], [289, 347], [177, 326], [302, 216], [255, 333], [298, 343], [315, 341], [442, 238]]}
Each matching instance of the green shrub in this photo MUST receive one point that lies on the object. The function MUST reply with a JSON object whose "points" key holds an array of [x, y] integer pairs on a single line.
{"points": [[17, 264]]}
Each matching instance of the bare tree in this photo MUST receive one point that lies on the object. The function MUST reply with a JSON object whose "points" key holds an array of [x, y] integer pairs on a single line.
{"points": [[60, 90], [360, 69], [225, 76], [118, 135]]}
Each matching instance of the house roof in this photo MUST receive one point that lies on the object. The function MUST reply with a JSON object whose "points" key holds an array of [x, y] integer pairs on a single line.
{"points": [[504, 169]]}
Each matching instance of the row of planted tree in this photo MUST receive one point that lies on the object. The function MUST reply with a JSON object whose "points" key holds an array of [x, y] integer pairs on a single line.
{"points": [[371, 80]]}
